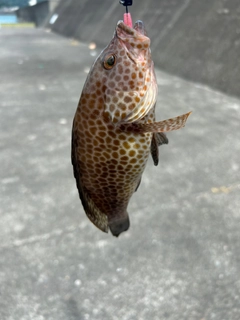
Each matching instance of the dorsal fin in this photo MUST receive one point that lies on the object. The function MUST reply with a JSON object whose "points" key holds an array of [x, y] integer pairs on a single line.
{"points": [[99, 219]]}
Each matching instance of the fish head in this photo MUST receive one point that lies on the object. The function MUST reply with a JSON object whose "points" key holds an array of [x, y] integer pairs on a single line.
{"points": [[134, 41], [125, 71]]}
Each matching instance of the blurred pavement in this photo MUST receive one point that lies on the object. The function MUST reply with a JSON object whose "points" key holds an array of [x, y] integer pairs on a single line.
{"points": [[179, 260], [196, 40]]}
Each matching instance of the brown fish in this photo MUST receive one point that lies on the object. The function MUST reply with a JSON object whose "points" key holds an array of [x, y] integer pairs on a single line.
{"points": [[114, 128]]}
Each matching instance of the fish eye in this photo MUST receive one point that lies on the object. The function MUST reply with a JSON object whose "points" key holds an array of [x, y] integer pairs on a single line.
{"points": [[109, 61]]}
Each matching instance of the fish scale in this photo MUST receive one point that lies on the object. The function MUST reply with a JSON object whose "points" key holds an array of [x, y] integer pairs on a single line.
{"points": [[114, 128]]}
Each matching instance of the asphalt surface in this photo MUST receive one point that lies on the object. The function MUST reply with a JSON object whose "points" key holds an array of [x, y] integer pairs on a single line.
{"points": [[180, 258]]}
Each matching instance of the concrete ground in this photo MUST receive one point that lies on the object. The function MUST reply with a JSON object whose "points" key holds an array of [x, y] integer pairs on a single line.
{"points": [[196, 40], [179, 260]]}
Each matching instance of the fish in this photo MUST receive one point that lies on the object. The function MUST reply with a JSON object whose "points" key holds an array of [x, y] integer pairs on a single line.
{"points": [[114, 129]]}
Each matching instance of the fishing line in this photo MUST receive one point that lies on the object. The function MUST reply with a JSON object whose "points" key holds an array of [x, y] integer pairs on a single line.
{"points": [[126, 3], [127, 19]]}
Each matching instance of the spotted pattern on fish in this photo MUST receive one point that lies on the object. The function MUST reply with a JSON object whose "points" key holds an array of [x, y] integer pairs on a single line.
{"points": [[114, 128]]}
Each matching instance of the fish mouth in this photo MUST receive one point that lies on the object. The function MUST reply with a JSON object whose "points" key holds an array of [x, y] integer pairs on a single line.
{"points": [[137, 33], [139, 26], [134, 40]]}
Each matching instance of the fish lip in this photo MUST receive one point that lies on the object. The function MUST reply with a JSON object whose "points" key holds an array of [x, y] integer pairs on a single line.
{"points": [[128, 36], [138, 31], [139, 27], [125, 27]]}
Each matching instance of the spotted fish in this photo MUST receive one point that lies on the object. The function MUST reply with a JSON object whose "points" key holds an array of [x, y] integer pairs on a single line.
{"points": [[114, 128]]}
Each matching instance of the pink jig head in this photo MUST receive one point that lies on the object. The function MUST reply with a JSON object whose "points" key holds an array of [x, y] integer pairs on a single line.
{"points": [[127, 19]]}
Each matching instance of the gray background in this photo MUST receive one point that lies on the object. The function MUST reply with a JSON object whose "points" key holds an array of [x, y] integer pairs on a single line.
{"points": [[180, 258], [198, 40]]}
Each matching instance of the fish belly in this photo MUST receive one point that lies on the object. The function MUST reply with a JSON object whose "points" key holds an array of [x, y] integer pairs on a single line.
{"points": [[111, 163]]}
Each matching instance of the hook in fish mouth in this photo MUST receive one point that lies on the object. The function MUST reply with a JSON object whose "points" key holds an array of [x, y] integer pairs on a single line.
{"points": [[135, 40], [133, 37], [138, 26]]}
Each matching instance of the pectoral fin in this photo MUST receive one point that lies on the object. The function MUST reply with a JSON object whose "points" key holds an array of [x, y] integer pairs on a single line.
{"points": [[160, 126]]}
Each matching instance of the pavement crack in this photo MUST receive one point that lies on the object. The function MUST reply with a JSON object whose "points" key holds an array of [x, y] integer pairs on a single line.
{"points": [[38, 238]]}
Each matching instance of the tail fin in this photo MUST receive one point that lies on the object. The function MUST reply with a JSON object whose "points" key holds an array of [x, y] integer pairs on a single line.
{"points": [[119, 226]]}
